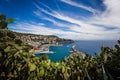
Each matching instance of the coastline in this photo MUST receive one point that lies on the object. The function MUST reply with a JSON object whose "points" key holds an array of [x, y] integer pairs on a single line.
{"points": [[41, 43], [44, 49]]}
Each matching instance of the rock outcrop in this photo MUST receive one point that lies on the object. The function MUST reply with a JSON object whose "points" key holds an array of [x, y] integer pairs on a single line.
{"points": [[75, 52]]}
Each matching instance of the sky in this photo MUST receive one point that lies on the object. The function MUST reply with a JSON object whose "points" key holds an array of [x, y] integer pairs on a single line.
{"points": [[71, 19]]}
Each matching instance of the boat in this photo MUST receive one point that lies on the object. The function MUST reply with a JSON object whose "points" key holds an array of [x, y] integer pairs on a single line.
{"points": [[70, 51], [68, 46]]}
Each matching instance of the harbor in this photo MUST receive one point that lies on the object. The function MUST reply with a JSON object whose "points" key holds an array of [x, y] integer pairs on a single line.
{"points": [[45, 49]]}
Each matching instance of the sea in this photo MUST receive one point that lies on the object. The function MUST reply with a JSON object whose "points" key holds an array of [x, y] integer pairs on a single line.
{"points": [[86, 46]]}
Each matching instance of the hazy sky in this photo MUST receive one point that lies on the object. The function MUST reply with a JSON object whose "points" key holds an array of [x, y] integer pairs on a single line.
{"points": [[73, 19]]}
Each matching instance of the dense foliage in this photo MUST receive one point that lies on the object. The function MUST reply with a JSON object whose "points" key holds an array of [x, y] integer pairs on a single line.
{"points": [[18, 63]]}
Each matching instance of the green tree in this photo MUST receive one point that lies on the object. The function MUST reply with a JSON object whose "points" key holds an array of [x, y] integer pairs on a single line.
{"points": [[4, 22]]}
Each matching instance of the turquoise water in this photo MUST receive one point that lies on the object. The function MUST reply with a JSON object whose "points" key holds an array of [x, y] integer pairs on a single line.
{"points": [[89, 47], [60, 52]]}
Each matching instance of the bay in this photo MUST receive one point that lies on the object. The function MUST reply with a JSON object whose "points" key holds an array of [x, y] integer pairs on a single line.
{"points": [[90, 47]]}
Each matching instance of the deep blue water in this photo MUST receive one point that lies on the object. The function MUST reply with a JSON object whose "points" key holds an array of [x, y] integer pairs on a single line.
{"points": [[89, 47]]}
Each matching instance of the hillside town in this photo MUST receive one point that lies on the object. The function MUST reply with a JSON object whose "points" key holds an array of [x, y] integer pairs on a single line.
{"points": [[41, 43]]}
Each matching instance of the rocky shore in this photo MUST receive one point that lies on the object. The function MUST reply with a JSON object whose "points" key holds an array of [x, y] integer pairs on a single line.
{"points": [[75, 52]]}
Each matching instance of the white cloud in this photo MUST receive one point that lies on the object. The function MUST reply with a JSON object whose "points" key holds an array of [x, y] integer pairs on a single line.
{"points": [[59, 24], [78, 29], [83, 26], [80, 6], [111, 16], [39, 28]]}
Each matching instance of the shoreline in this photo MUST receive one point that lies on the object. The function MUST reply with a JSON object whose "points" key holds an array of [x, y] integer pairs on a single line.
{"points": [[44, 49]]}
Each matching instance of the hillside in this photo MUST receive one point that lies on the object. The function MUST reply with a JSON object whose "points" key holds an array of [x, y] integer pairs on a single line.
{"points": [[38, 40]]}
